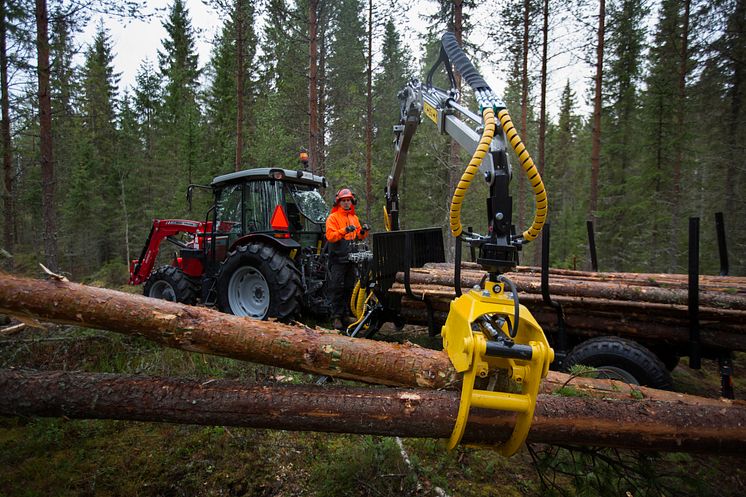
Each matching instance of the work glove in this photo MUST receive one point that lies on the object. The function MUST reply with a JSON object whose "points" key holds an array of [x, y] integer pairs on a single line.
{"points": [[350, 229], [365, 229]]}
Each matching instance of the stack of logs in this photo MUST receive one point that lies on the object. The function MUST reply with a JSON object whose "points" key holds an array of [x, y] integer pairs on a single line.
{"points": [[651, 308]]}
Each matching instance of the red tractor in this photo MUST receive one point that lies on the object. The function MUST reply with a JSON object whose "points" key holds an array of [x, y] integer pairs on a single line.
{"points": [[258, 253]]}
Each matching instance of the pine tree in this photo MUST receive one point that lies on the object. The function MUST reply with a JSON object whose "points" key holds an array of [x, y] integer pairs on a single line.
{"points": [[49, 199], [10, 14], [230, 96]]}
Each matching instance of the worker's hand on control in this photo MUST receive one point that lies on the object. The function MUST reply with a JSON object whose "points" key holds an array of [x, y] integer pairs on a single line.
{"points": [[365, 229], [350, 229]]}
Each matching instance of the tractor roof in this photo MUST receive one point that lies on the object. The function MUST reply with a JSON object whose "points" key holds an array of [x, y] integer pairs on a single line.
{"points": [[260, 173]]}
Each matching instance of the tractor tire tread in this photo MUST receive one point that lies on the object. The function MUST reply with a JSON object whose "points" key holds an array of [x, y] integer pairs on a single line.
{"points": [[625, 354], [281, 274], [185, 287]]}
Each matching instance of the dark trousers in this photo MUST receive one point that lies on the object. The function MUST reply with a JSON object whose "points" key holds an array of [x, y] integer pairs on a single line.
{"points": [[339, 287]]}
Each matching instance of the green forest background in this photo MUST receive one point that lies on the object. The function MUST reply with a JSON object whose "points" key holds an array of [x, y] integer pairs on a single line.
{"points": [[671, 136]]}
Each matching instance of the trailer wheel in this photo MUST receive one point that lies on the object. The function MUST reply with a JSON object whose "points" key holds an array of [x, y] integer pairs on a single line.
{"points": [[621, 359], [259, 281], [170, 283]]}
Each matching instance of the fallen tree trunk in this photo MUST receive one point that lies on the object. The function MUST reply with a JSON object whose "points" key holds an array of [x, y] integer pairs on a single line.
{"points": [[202, 330], [198, 329], [631, 424]]}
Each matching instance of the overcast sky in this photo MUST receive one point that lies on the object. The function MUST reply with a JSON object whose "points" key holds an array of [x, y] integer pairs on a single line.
{"points": [[135, 41]]}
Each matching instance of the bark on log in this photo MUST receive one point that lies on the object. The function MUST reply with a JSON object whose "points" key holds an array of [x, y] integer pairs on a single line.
{"points": [[202, 330], [633, 424]]}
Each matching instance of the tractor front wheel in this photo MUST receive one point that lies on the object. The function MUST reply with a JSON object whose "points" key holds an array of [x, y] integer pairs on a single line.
{"points": [[170, 283], [259, 281]]}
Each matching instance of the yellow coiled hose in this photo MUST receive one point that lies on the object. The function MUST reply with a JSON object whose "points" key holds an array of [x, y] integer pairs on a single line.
{"points": [[540, 193], [358, 301], [471, 170]]}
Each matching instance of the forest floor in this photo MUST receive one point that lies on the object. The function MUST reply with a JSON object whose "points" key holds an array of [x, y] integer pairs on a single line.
{"points": [[62, 457]]}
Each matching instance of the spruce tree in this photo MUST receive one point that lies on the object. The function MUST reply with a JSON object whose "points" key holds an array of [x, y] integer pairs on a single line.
{"points": [[659, 115], [181, 116], [395, 71], [346, 83], [282, 89], [91, 204], [622, 131]]}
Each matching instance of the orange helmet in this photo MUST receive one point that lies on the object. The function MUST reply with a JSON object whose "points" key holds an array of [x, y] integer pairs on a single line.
{"points": [[345, 193]]}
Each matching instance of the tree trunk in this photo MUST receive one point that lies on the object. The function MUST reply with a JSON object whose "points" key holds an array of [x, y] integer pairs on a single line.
{"points": [[524, 108], [321, 111], [313, 86], [651, 308], [454, 150], [202, 330], [9, 219], [736, 80], [632, 424], [49, 210], [542, 106], [597, 103], [369, 118], [240, 85]]}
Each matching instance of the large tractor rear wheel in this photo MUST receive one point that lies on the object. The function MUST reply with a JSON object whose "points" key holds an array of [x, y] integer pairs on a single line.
{"points": [[259, 281], [170, 283], [621, 359]]}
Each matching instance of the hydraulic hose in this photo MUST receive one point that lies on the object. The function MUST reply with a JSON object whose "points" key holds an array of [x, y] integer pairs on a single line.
{"points": [[386, 219], [358, 302], [353, 299], [540, 193], [471, 170]]}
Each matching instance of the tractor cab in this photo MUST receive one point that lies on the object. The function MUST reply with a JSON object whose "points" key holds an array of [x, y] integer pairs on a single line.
{"points": [[266, 202]]}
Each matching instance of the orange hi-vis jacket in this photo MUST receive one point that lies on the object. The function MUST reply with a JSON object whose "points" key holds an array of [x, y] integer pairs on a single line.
{"points": [[336, 231]]}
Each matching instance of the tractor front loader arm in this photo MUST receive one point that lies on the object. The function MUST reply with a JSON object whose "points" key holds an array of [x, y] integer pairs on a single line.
{"points": [[141, 268]]}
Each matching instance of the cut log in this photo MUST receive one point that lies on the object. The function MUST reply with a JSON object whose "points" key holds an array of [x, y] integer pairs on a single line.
{"points": [[607, 289], [197, 329], [633, 424], [651, 308]]}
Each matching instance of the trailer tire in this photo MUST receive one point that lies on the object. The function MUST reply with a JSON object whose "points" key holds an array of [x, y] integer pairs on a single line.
{"points": [[258, 280], [619, 358], [170, 283]]}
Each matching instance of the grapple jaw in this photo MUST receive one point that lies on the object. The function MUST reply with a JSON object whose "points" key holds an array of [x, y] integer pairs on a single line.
{"points": [[482, 335]]}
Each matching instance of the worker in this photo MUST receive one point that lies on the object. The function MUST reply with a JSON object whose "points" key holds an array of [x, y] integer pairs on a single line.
{"points": [[342, 229]]}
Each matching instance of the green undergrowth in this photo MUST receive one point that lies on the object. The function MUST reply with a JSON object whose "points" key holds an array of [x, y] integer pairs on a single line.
{"points": [[63, 457]]}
